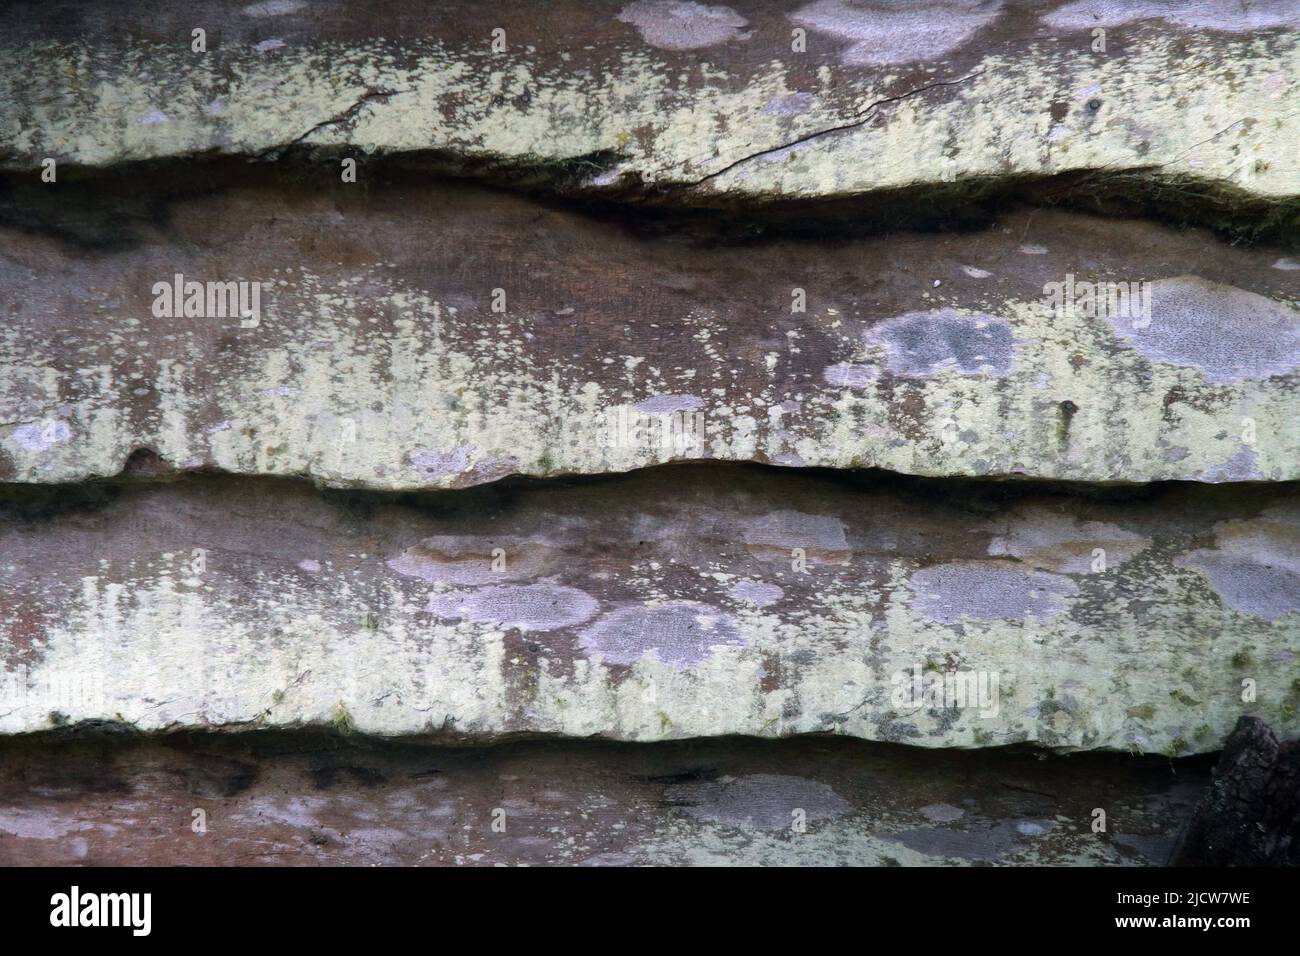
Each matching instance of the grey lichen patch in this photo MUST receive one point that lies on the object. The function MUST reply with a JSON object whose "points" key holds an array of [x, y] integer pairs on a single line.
{"points": [[988, 591], [435, 465], [1230, 16], [1229, 334], [849, 375], [1251, 587], [790, 104], [680, 634], [763, 801], [1050, 540], [274, 8], [1241, 465], [923, 344], [981, 840], [942, 813], [775, 536], [897, 31], [1273, 537], [39, 437], [532, 607], [757, 593], [683, 25], [669, 404], [459, 466], [1255, 564]]}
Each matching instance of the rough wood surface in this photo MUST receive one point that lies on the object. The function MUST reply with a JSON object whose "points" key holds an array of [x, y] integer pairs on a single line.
{"points": [[378, 360], [310, 799], [676, 602], [695, 100], [339, 341], [1251, 814]]}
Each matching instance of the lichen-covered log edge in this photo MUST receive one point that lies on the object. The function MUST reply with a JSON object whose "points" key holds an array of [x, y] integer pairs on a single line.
{"points": [[680, 601], [753, 99], [413, 333]]}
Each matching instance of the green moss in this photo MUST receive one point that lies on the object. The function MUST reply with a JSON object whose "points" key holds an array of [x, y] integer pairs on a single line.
{"points": [[1065, 416], [342, 719]]}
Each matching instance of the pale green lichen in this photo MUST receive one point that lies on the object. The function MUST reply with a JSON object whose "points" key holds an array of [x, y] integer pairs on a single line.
{"points": [[426, 413], [1227, 119], [1065, 682]]}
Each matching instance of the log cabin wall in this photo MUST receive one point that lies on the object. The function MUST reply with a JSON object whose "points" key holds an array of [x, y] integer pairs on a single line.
{"points": [[656, 432]]}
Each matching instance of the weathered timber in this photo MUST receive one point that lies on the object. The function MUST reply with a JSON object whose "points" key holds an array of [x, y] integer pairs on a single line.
{"points": [[677, 602], [1250, 815], [674, 101], [304, 300], [377, 357], [310, 799]]}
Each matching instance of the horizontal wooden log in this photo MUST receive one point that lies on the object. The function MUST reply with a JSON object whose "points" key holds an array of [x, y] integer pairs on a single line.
{"points": [[752, 98], [310, 799], [677, 602], [421, 335]]}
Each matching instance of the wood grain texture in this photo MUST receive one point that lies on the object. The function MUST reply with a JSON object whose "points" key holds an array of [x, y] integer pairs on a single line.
{"points": [[649, 431], [676, 602], [701, 101], [380, 360], [311, 799], [1250, 815]]}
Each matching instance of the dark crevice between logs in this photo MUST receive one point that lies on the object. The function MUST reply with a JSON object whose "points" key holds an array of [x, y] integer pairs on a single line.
{"points": [[983, 494], [1248, 814], [359, 794], [103, 209], [699, 759]]}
